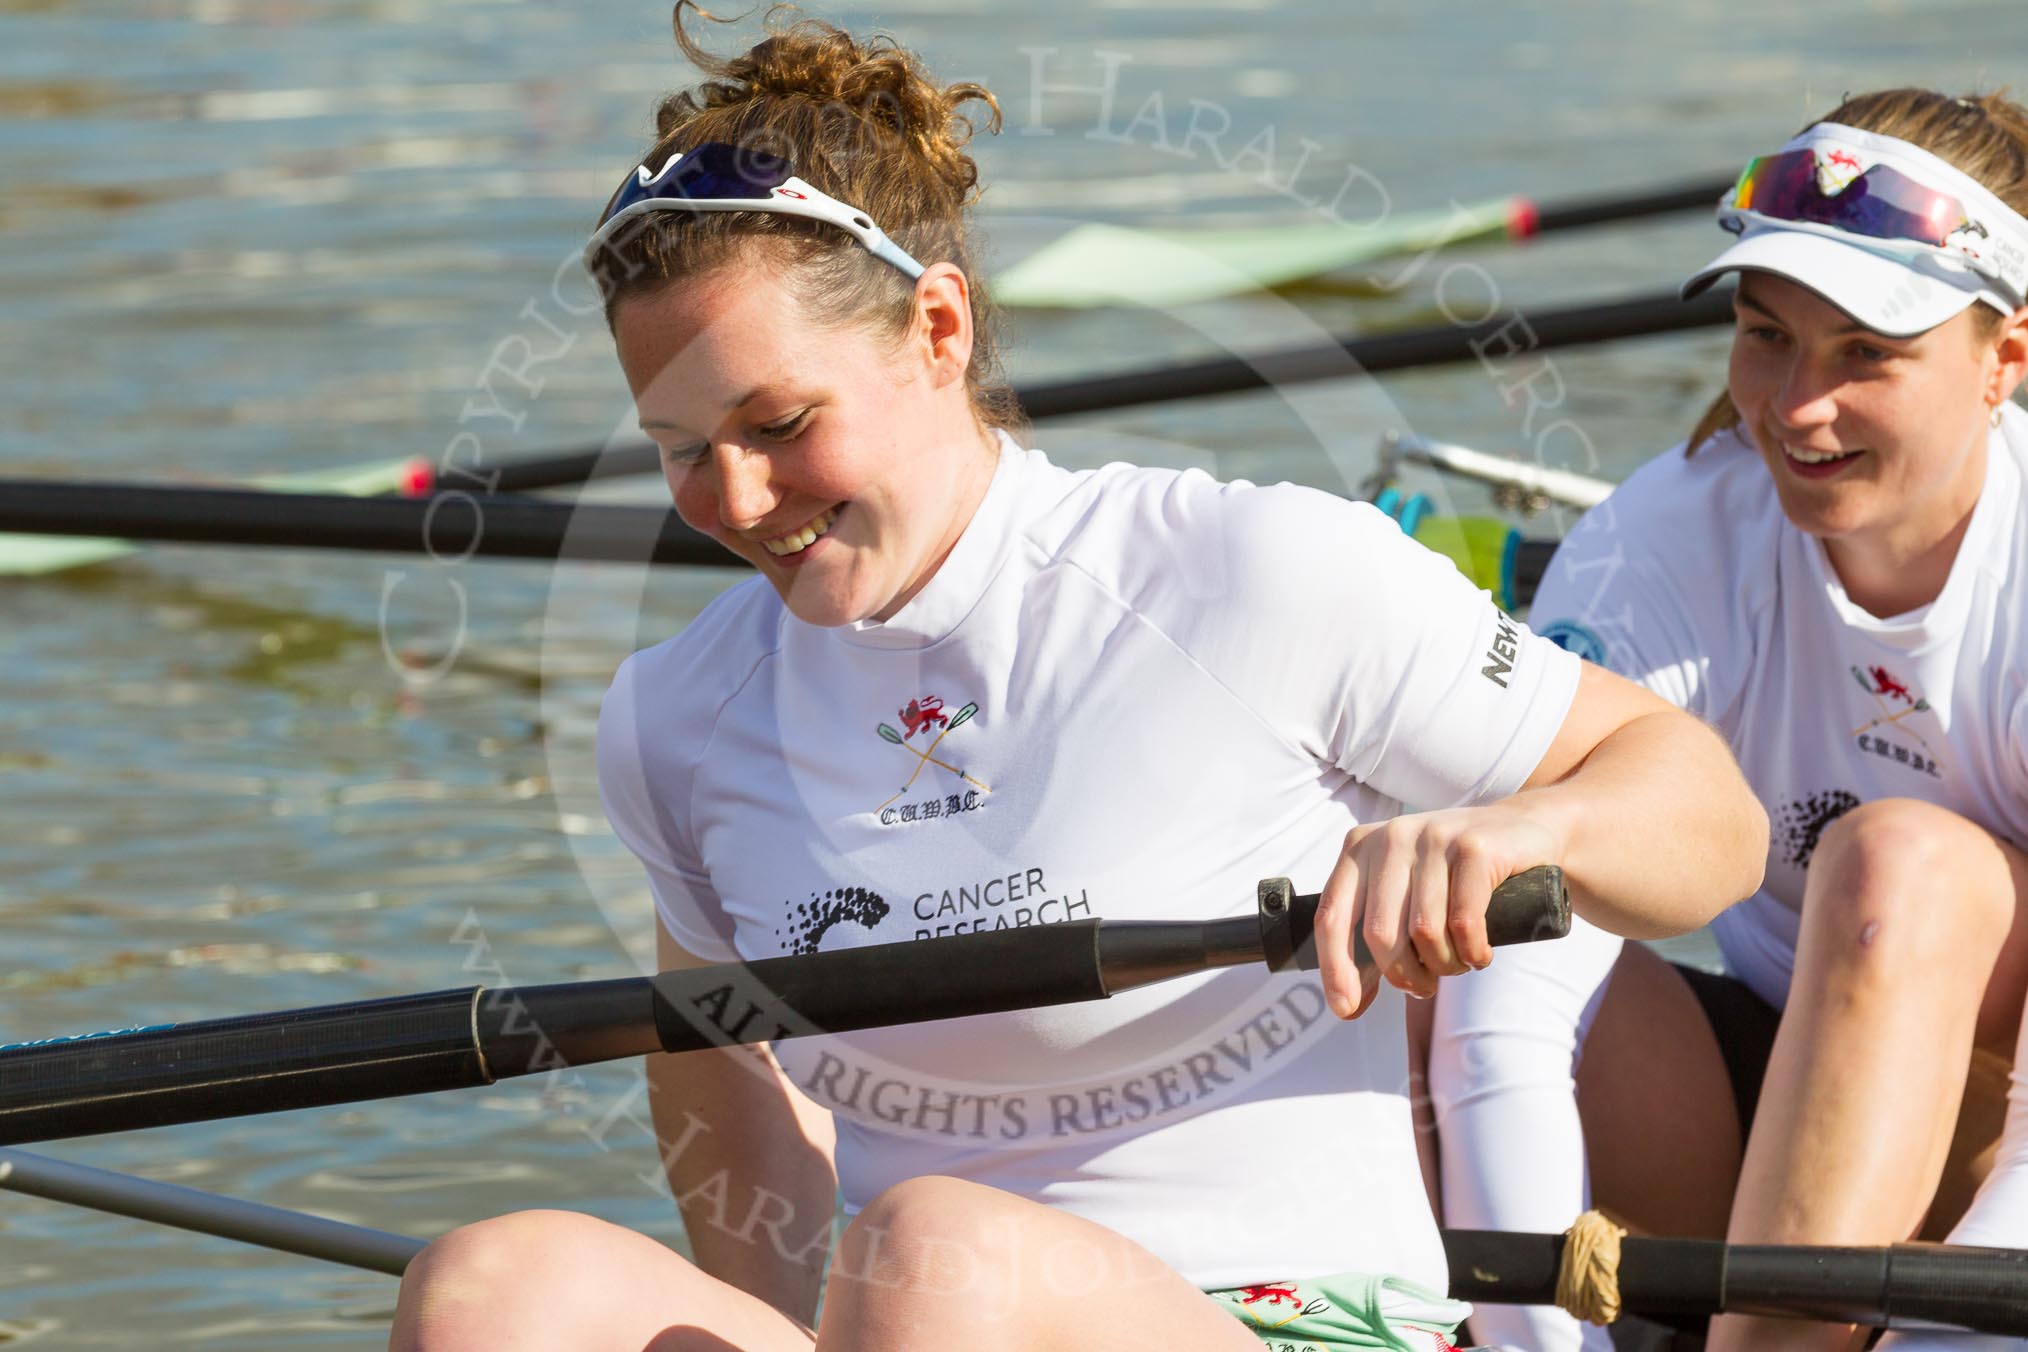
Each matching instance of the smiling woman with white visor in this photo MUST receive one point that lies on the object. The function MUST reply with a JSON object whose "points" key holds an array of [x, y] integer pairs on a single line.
{"points": [[1830, 571]]}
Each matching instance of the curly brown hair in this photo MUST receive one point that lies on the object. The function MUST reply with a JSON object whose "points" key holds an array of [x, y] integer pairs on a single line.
{"points": [[1985, 135], [859, 119]]}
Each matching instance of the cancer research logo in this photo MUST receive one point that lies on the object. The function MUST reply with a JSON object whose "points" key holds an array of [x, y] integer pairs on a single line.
{"points": [[920, 715], [806, 923], [1574, 638]]}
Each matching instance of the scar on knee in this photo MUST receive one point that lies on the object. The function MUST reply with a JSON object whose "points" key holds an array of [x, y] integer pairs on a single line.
{"points": [[1868, 933]]}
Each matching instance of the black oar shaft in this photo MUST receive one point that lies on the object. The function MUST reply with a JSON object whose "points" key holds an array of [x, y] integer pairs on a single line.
{"points": [[1536, 331], [1702, 193], [498, 527], [1984, 1290], [517, 528], [450, 526], [299, 1058], [456, 1039]]}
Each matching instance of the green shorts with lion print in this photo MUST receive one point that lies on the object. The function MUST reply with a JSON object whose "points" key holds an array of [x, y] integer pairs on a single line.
{"points": [[1346, 1311]]}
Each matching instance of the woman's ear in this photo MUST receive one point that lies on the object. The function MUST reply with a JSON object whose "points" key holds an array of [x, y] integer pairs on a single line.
{"points": [[2011, 351], [943, 329]]}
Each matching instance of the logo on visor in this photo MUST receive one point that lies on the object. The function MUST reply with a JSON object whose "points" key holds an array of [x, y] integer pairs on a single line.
{"points": [[1835, 171]]}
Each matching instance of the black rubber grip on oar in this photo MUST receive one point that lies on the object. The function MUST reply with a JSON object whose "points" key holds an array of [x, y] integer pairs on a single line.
{"points": [[1902, 1285], [837, 992], [1984, 1290], [257, 1063], [1529, 906], [1958, 1287]]}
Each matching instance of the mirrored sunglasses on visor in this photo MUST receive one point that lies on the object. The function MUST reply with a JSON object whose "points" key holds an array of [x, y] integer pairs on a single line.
{"points": [[720, 177], [1825, 187]]}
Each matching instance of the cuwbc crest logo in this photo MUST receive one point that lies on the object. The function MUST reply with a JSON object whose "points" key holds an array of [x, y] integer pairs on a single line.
{"points": [[1896, 704], [920, 715]]}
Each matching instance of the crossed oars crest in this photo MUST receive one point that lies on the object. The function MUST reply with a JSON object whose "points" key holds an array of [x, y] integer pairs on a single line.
{"points": [[1879, 683], [923, 755]]}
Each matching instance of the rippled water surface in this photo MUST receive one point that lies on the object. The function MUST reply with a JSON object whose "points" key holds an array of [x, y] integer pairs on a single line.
{"points": [[241, 237]]}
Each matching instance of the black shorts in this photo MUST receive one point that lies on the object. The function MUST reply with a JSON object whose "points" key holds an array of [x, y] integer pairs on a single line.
{"points": [[1744, 1025]]}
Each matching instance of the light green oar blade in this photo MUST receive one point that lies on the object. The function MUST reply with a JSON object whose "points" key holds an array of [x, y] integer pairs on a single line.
{"points": [[33, 555], [29, 555], [407, 476], [1114, 265]]}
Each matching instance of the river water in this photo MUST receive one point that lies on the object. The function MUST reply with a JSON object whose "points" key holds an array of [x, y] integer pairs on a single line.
{"points": [[241, 237]]}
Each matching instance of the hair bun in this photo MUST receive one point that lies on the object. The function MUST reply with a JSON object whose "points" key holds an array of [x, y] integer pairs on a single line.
{"points": [[860, 120], [868, 98]]}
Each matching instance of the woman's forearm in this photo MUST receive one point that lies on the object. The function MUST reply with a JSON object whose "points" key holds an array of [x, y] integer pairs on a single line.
{"points": [[749, 1161], [1660, 829]]}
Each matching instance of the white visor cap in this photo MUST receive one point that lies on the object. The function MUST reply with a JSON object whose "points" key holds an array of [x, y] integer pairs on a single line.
{"points": [[1884, 292], [1891, 290]]}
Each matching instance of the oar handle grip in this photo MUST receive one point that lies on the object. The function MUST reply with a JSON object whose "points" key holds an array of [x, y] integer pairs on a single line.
{"points": [[1934, 1285], [1531, 905]]}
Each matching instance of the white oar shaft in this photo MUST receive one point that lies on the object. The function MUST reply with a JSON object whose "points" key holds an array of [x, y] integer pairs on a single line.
{"points": [[206, 1213], [1562, 485]]}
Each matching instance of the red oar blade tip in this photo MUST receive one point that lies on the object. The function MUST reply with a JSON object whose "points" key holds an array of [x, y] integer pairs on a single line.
{"points": [[1524, 218]]}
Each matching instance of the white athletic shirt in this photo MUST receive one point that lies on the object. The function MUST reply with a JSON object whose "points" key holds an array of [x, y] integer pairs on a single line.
{"points": [[1127, 693], [1690, 580]]}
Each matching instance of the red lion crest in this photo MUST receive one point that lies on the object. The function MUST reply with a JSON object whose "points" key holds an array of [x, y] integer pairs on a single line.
{"points": [[918, 714]]}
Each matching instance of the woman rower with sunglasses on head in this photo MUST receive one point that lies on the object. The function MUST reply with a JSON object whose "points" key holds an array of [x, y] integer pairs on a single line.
{"points": [[1832, 572], [1126, 693]]}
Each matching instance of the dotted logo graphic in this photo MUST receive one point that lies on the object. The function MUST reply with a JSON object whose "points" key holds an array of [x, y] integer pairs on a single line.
{"points": [[1803, 822], [811, 920]]}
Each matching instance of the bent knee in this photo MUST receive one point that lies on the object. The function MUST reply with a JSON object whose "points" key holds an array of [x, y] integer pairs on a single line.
{"points": [[506, 1244], [475, 1280], [933, 1206], [1924, 868], [932, 1232]]}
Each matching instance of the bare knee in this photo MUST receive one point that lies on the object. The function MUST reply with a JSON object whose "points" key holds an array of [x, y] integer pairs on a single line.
{"points": [[957, 1263], [926, 1233], [473, 1286], [1898, 876]]}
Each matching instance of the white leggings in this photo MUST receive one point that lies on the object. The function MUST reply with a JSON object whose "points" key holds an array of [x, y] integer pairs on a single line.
{"points": [[1503, 1060], [1502, 1065]]}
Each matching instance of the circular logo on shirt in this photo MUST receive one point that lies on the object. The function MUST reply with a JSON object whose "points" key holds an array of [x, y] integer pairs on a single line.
{"points": [[1573, 637]]}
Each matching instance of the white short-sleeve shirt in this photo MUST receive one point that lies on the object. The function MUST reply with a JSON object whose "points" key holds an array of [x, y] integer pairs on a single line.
{"points": [[1690, 580], [1126, 694]]}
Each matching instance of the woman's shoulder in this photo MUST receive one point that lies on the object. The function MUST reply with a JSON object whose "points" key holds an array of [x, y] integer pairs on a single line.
{"points": [[1137, 521], [678, 685], [1722, 485], [1708, 516], [1208, 561]]}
